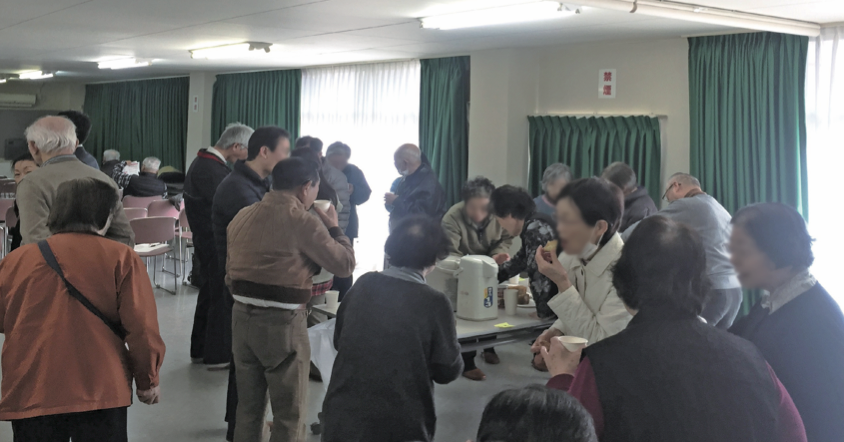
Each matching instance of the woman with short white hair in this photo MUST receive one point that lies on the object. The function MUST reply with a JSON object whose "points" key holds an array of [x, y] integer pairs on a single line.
{"points": [[556, 177]]}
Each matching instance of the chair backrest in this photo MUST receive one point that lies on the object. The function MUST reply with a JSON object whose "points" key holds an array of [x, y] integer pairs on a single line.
{"points": [[162, 208], [139, 201], [135, 212], [154, 229], [5, 205], [11, 218]]}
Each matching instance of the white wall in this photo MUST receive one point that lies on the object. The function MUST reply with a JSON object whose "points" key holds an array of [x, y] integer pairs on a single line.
{"points": [[199, 119], [510, 84]]}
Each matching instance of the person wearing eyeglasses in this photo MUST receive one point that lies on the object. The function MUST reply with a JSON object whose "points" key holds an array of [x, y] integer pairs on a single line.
{"points": [[690, 205]]}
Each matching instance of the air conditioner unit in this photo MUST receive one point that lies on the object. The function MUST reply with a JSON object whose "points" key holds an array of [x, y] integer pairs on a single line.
{"points": [[17, 100]]}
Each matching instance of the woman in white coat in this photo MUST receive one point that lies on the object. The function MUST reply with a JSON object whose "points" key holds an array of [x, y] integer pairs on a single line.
{"points": [[588, 216]]}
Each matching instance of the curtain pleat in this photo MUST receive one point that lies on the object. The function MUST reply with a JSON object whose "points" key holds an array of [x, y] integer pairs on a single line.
{"points": [[748, 120], [588, 145], [270, 98], [444, 120], [139, 119]]}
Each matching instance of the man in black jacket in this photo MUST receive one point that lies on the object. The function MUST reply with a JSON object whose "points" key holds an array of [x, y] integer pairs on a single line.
{"points": [[204, 176], [419, 193], [146, 183], [83, 128], [246, 185]]}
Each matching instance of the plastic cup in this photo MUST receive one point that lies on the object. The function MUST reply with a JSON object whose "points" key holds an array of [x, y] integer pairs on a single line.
{"points": [[332, 299], [322, 205], [514, 280], [573, 343], [511, 301]]}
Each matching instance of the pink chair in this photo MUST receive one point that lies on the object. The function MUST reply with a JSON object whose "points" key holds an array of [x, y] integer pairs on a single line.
{"points": [[135, 212], [162, 208], [140, 201], [11, 218], [186, 236], [151, 237]]}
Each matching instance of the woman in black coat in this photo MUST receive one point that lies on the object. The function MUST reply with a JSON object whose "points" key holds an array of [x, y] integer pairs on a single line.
{"points": [[798, 327], [638, 204]]}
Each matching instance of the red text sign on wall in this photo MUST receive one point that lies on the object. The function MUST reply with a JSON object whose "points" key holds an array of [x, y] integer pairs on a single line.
{"points": [[606, 83]]}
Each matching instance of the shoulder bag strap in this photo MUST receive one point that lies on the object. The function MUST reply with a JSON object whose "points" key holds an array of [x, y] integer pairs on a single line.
{"points": [[48, 255]]}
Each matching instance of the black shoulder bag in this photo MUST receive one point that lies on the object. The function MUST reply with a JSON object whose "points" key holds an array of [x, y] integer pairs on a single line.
{"points": [[48, 255]]}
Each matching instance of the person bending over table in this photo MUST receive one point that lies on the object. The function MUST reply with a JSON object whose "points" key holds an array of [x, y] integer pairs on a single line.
{"points": [[669, 376], [798, 327], [588, 215], [472, 230], [395, 338]]}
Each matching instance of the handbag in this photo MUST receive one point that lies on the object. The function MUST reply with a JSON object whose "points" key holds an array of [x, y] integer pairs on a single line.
{"points": [[48, 255]]}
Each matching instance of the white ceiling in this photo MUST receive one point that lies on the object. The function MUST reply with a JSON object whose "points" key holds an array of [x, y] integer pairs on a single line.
{"points": [[70, 36]]}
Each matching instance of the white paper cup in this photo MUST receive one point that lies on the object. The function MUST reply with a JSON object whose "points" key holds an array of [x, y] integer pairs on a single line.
{"points": [[322, 205], [573, 343], [514, 280], [332, 299], [511, 301]]}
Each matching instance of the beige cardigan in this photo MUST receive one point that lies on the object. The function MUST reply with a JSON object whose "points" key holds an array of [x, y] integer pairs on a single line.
{"points": [[590, 308]]}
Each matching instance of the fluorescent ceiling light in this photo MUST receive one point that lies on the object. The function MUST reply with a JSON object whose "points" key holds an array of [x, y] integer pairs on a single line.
{"points": [[232, 51], [35, 75], [526, 12], [706, 14], [123, 63]]}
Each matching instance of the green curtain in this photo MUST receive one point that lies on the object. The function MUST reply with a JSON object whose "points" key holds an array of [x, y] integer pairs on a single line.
{"points": [[139, 119], [269, 98], [588, 145], [444, 120], [748, 120]]}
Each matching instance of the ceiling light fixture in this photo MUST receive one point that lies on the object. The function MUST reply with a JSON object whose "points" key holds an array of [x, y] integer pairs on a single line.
{"points": [[706, 14], [232, 51], [123, 63], [35, 75], [526, 12]]}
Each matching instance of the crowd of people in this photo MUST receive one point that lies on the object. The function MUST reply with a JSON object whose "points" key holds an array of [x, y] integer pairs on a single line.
{"points": [[655, 292]]}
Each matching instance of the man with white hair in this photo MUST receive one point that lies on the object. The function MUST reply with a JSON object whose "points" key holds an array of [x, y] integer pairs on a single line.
{"points": [[419, 192], [146, 183], [52, 142], [207, 171], [111, 158]]}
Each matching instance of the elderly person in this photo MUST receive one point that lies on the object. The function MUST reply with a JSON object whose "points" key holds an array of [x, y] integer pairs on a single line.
{"points": [[516, 212], [21, 166], [146, 183], [797, 326], [587, 305], [111, 158], [333, 177], [669, 376], [419, 192], [205, 174], [472, 230], [269, 273], [52, 141], [68, 367], [395, 338], [246, 185], [535, 414], [638, 205], [83, 129], [556, 177]]}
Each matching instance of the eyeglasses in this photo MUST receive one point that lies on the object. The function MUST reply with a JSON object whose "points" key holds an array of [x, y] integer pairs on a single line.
{"points": [[665, 195]]}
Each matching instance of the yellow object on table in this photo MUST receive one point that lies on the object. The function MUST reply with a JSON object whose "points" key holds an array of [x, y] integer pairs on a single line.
{"points": [[504, 325]]}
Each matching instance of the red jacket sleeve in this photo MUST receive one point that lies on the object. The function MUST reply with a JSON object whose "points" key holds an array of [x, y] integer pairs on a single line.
{"points": [[583, 387], [789, 423]]}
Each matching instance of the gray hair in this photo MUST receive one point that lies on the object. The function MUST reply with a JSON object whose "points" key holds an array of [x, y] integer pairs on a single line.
{"points": [[151, 163], [685, 179], [409, 152], [235, 133], [52, 134], [111, 155], [555, 172]]}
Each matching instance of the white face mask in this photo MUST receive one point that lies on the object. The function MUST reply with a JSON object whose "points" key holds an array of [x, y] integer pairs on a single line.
{"points": [[590, 249], [403, 172]]}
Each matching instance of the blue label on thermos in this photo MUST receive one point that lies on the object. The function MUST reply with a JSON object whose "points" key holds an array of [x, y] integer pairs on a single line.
{"points": [[488, 299]]}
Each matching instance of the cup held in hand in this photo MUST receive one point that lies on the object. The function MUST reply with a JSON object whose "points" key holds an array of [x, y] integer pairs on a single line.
{"points": [[332, 298], [322, 205], [572, 343]]}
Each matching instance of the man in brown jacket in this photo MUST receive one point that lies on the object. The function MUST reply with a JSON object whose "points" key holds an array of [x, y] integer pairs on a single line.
{"points": [[275, 247], [52, 141]]}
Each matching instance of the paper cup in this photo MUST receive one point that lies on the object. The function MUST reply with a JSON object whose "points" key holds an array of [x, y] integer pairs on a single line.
{"points": [[332, 299], [514, 280], [573, 343], [511, 301], [322, 205]]}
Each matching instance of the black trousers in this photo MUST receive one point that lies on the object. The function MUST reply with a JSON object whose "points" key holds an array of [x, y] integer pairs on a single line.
{"points": [[207, 254], [91, 426], [231, 403], [218, 327]]}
